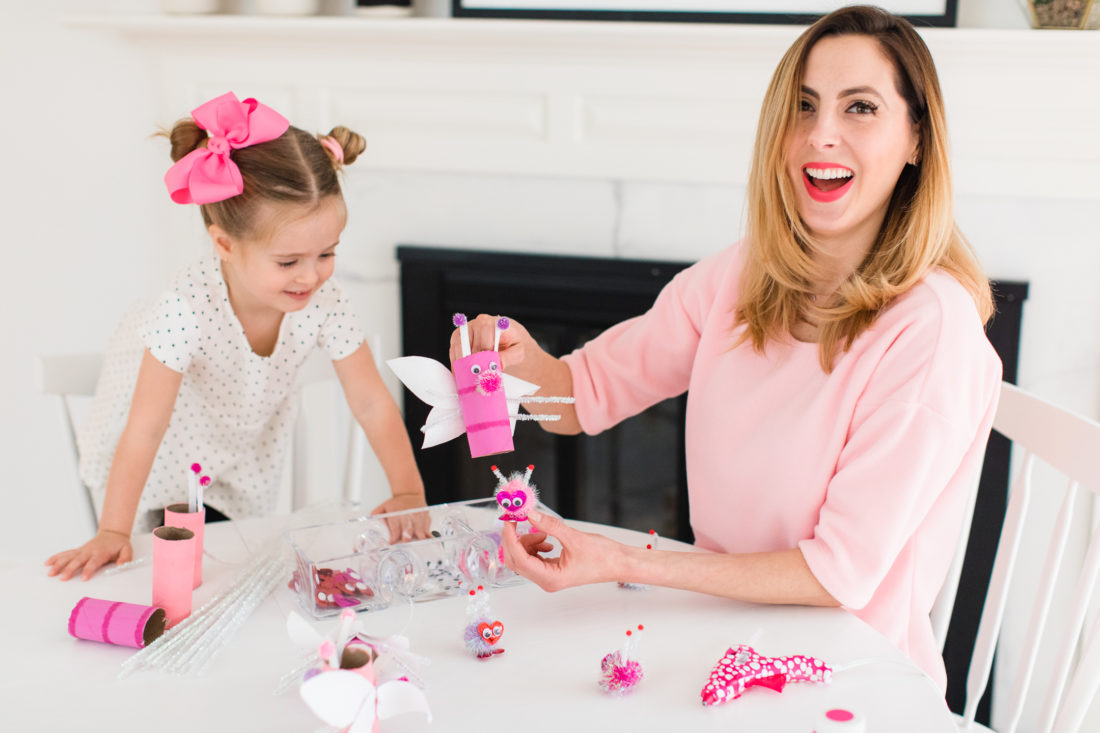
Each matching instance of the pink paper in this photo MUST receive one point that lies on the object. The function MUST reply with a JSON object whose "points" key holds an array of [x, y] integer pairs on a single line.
{"points": [[480, 384], [173, 571], [115, 622], [176, 515]]}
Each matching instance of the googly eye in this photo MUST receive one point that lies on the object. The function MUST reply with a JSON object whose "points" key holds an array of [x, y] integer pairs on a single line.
{"points": [[476, 369], [517, 502], [498, 629], [486, 634], [493, 366], [506, 503]]}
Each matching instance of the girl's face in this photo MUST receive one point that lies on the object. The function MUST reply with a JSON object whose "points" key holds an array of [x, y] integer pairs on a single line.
{"points": [[852, 139], [283, 271]]}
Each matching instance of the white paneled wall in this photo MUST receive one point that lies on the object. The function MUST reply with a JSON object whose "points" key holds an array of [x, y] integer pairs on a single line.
{"points": [[597, 139]]}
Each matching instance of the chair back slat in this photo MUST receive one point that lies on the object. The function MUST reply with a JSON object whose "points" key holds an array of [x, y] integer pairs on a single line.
{"points": [[989, 627], [69, 374], [1070, 444], [1037, 624]]}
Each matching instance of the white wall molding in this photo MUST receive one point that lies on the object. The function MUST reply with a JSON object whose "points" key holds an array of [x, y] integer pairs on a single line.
{"points": [[652, 102]]}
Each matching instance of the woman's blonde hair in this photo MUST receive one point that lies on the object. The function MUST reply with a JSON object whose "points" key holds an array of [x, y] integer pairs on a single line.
{"points": [[294, 168], [919, 232]]}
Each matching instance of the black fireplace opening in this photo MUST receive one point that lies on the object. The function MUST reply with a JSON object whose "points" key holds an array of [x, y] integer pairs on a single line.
{"points": [[632, 475]]}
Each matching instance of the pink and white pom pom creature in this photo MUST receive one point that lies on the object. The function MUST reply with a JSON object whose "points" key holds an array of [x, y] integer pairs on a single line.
{"points": [[515, 494], [620, 672], [482, 632], [478, 399]]}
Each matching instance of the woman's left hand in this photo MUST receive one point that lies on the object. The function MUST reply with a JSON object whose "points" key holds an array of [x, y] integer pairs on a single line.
{"points": [[407, 527], [585, 557]]}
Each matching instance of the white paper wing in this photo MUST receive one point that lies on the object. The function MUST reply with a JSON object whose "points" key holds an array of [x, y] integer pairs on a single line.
{"points": [[301, 632], [339, 696], [515, 387], [443, 424], [398, 696], [426, 378]]}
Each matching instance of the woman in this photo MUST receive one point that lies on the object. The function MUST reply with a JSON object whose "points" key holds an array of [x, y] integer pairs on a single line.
{"points": [[840, 385]]}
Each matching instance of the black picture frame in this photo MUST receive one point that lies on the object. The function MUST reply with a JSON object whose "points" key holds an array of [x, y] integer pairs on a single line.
{"points": [[754, 11]]}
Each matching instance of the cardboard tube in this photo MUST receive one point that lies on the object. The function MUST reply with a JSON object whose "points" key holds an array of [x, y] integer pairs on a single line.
{"points": [[115, 622], [176, 515], [488, 424], [173, 571]]}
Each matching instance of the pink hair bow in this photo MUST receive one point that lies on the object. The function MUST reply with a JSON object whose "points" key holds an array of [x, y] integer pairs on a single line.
{"points": [[206, 175]]}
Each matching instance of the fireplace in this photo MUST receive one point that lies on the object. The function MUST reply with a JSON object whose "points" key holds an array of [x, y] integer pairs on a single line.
{"points": [[632, 475]]}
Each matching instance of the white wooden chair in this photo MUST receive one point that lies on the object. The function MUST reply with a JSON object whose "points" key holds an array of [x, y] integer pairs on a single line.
{"points": [[69, 376], [1071, 445]]}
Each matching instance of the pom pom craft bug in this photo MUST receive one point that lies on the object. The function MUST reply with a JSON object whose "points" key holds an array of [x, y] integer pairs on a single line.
{"points": [[478, 398], [482, 632], [620, 672], [515, 495]]}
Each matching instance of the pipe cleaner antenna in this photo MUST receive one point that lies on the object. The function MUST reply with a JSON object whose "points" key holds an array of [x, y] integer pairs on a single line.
{"points": [[502, 325], [463, 332]]}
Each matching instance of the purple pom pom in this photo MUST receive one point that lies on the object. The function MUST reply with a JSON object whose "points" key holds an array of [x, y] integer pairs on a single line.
{"points": [[460, 319], [503, 324]]}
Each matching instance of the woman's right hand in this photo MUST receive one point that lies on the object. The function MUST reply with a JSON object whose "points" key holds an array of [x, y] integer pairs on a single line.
{"points": [[515, 342], [105, 547]]}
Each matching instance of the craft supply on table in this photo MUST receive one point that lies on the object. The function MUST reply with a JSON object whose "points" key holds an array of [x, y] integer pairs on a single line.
{"points": [[477, 398], [483, 631], [177, 515], [115, 622], [620, 671], [190, 646], [515, 494], [840, 720], [173, 571], [742, 667]]}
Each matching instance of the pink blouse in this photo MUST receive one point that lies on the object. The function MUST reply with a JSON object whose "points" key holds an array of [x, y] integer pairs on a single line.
{"points": [[867, 470]]}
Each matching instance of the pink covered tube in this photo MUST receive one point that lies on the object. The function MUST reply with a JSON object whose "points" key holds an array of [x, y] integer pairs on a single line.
{"points": [[115, 622], [176, 515], [173, 571], [480, 385]]}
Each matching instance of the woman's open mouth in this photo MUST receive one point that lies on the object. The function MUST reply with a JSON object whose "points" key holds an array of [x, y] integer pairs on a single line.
{"points": [[827, 182]]}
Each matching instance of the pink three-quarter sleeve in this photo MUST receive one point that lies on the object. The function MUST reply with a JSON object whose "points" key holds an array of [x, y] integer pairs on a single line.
{"points": [[915, 440], [641, 361]]}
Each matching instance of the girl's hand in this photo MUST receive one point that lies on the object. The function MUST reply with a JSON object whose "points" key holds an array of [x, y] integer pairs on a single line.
{"points": [[515, 342], [407, 527], [105, 547], [585, 557]]}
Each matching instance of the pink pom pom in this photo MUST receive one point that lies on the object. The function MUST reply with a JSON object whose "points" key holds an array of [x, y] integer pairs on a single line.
{"points": [[205, 481], [503, 323], [619, 675], [195, 468], [459, 319]]}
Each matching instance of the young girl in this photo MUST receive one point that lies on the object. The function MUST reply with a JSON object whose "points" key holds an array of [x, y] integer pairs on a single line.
{"points": [[212, 377], [840, 385]]}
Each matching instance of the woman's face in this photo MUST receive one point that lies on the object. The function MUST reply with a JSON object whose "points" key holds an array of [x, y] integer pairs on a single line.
{"points": [[851, 141]]}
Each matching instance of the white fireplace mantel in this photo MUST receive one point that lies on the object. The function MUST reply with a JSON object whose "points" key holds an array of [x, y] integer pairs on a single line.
{"points": [[626, 101]]}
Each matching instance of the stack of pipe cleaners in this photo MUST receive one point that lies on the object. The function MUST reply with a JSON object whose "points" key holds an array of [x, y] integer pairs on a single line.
{"points": [[190, 646]]}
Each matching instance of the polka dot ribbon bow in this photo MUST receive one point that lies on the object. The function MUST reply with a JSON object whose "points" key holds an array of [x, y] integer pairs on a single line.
{"points": [[206, 175], [742, 668]]}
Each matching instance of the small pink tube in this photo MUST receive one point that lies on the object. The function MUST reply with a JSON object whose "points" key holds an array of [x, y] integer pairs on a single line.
{"points": [[115, 622], [173, 571], [176, 515], [484, 405]]}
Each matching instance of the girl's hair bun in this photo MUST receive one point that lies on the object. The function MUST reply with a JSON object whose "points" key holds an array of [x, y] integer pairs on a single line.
{"points": [[352, 143], [185, 136]]}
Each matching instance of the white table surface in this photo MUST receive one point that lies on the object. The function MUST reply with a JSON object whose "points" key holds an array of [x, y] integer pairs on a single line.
{"points": [[545, 681]]}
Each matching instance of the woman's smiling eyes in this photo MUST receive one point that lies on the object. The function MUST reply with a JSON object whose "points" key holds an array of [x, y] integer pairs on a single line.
{"points": [[859, 107]]}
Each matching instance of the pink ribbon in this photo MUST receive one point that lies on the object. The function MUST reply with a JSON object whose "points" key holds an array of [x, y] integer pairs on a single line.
{"points": [[743, 667], [206, 175], [334, 147]]}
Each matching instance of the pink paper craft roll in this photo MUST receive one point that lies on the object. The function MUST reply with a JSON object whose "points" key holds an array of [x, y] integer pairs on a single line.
{"points": [[115, 622], [484, 406], [173, 571], [176, 515]]}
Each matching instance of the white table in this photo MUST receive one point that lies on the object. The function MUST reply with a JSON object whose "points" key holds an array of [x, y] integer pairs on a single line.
{"points": [[545, 681]]}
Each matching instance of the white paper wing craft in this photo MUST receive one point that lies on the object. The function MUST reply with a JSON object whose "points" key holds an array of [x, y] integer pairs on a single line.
{"points": [[478, 399], [351, 702]]}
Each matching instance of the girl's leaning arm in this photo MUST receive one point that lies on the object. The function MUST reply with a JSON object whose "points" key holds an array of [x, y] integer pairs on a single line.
{"points": [[375, 410], [150, 412], [780, 577]]}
